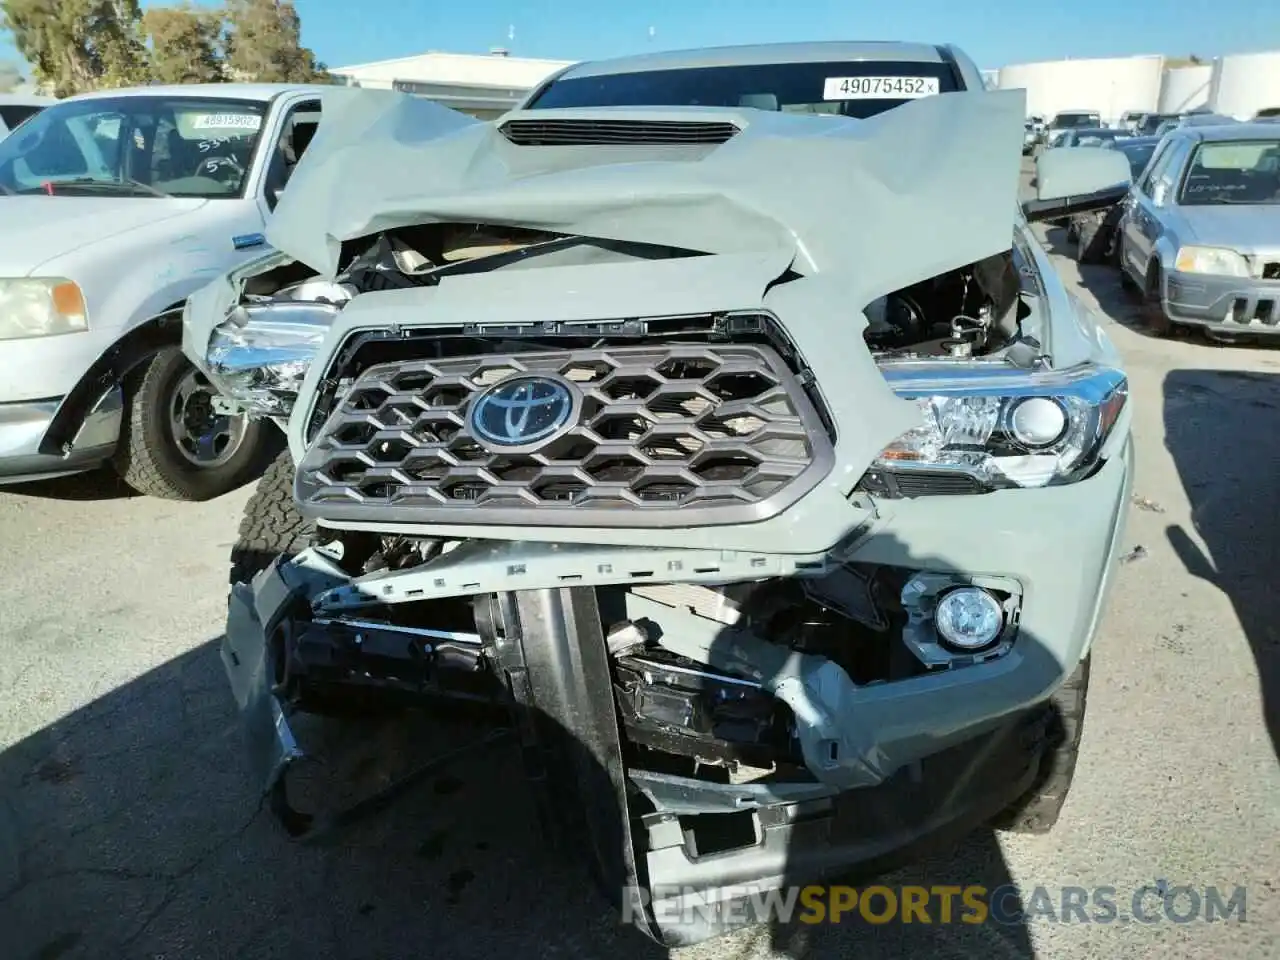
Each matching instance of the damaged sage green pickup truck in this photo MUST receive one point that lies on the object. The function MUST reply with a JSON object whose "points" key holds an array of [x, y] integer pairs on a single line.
{"points": [[751, 460]]}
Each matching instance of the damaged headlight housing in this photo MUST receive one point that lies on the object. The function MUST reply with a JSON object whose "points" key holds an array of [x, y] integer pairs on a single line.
{"points": [[259, 355], [999, 427]]}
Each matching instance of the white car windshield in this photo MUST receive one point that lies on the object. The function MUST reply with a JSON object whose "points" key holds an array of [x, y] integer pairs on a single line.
{"points": [[134, 146]]}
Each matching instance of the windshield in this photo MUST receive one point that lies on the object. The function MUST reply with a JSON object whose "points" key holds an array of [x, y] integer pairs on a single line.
{"points": [[134, 146], [1066, 121], [1233, 171], [859, 89]]}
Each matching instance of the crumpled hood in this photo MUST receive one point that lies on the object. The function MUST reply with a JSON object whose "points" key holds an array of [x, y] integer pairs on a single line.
{"points": [[920, 189], [37, 229]]}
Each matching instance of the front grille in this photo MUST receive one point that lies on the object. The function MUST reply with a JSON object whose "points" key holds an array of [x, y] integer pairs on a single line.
{"points": [[660, 436], [583, 133]]}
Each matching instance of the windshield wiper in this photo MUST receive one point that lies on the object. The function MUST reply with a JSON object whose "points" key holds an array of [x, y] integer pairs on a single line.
{"points": [[122, 182]]}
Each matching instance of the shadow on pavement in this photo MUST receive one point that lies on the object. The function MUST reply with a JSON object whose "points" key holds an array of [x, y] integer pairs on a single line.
{"points": [[1221, 430], [101, 484], [129, 829]]}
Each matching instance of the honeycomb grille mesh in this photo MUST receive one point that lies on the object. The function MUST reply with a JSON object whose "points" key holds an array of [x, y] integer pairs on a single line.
{"points": [[666, 431]]}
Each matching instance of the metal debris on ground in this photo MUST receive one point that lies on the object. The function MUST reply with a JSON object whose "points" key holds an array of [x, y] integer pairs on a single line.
{"points": [[1144, 503], [1137, 553]]}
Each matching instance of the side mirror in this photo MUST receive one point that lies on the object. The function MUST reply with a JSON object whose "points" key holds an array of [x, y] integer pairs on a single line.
{"points": [[1073, 180]]}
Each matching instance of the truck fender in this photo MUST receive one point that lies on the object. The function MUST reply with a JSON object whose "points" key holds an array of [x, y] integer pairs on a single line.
{"points": [[134, 346]]}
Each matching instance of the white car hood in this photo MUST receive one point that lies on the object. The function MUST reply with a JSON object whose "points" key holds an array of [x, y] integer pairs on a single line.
{"points": [[37, 229]]}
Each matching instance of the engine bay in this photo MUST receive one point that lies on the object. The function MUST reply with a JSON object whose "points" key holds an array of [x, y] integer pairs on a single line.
{"points": [[974, 311]]}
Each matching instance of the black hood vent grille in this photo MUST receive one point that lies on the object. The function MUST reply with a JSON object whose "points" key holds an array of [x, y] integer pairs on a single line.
{"points": [[591, 132]]}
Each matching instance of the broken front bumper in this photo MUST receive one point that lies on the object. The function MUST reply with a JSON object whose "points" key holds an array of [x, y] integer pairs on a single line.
{"points": [[891, 763]]}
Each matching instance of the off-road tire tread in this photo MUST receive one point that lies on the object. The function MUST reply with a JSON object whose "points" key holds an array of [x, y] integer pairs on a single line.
{"points": [[134, 460], [137, 459], [1038, 810], [271, 524]]}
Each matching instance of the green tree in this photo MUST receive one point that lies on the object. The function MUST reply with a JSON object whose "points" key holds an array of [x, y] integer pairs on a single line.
{"points": [[77, 45], [185, 44], [264, 43]]}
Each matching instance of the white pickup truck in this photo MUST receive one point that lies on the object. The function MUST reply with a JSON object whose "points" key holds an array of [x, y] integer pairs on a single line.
{"points": [[114, 207]]}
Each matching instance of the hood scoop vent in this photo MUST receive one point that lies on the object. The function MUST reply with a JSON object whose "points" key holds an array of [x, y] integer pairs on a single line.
{"points": [[593, 132]]}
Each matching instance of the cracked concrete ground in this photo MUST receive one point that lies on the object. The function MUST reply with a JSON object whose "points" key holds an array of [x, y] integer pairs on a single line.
{"points": [[128, 827]]}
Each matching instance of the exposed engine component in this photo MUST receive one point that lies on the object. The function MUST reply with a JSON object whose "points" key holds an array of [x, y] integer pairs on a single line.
{"points": [[962, 313]]}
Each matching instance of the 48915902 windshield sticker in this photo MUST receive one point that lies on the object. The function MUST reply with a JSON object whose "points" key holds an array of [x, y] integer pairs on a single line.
{"points": [[879, 88]]}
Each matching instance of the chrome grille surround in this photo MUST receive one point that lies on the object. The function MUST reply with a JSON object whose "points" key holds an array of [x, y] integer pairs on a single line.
{"points": [[668, 435]]}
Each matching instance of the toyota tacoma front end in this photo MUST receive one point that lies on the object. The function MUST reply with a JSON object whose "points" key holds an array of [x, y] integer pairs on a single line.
{"points": [[777, 515]]}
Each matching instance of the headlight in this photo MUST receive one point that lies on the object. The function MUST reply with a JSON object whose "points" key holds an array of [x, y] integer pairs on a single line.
{"points": [[43, 307], [260, 355], [998, 428], [1215, 260]]}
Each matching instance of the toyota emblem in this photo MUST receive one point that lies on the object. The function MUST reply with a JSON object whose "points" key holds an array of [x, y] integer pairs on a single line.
{"points": [[522, 411]]}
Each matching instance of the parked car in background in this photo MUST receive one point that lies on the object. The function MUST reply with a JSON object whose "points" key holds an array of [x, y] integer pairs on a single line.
{"points": [[17, 107], [1034, 133], [653, 405], [1070, 119], [1032, 136], [1129, 120], [1094, 233], [114, 206], [1086, 136], [1200, 232], [1094, 136], [1194, 120], [1149, 123]]}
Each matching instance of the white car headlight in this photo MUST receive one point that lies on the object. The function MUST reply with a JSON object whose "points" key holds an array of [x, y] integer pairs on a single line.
{"points": [[1216, 260], [999, 427], [40, 307]]}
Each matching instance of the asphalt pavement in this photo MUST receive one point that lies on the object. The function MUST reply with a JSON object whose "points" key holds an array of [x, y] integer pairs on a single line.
{"points": [[129, 827]]}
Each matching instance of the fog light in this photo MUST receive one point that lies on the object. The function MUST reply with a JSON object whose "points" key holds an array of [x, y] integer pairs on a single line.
{"points": [[969, 618]]}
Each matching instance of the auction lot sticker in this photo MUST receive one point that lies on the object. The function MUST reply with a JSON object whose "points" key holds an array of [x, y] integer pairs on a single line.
{"points": [[227, 121], [879, 88]]}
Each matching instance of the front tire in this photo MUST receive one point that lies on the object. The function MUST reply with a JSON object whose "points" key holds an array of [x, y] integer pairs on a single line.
{"points": [[1091, 246], [1039, 808], [271, 525], [175, 447], [1153, 315]]}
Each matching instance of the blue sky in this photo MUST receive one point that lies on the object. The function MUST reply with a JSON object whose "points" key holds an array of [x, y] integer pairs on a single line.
{"points": [[994, 32]]}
